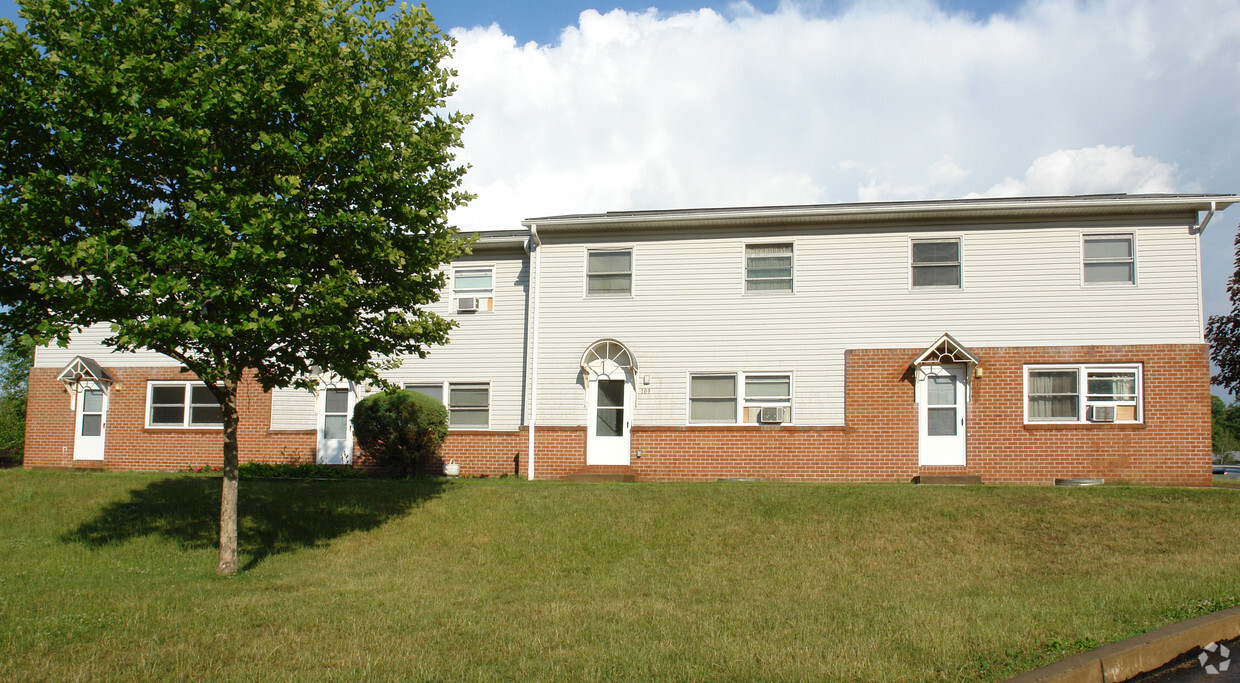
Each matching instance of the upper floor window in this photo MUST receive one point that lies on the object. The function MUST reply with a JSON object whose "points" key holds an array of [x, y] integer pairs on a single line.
{"points": [[182, 404], [1109, 259], [1083, 393], [473, 289], [609, 272], [768, 267], [936, 263]]}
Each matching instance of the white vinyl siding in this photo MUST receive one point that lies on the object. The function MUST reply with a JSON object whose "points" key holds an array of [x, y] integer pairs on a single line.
{"points": [[1023, 288], [293, 410], [1080, 393]]}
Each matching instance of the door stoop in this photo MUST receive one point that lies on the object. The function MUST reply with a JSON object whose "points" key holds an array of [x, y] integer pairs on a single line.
{"points": [[598, 473], [948, 479]]}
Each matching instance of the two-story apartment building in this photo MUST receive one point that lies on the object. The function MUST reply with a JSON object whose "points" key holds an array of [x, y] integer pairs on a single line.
{"points": [[1018, 340]]}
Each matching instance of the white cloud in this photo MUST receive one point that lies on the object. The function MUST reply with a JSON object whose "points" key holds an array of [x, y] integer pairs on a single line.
{"points": [[896, 99], [1093, 170]]}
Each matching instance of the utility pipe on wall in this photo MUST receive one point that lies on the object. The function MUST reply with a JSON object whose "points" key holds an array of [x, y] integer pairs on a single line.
{"points": [[532, 330]]}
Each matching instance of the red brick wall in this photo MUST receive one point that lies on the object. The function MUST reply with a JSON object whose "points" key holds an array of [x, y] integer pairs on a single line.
{"points": [[130, 445], [878, 442], [880, 439]]}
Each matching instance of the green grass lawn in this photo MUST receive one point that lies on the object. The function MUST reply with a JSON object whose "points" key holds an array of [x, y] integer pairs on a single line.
{"points": [[111, 576]]}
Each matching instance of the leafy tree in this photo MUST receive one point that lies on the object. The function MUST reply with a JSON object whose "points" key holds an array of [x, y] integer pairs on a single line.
{"points": [[1223, 333], [15, 357], [1224, 426], [251, 188], [400, 429]]}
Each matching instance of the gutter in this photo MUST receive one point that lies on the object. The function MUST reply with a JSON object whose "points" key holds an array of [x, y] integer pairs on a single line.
{"points": [[532, 330]]}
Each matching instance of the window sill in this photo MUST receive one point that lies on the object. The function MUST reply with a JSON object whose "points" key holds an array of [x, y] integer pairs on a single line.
{"points": [[1084, 425]]}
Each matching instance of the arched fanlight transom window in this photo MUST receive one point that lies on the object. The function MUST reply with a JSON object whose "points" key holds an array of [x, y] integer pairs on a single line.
{"points": [[607, 357]]}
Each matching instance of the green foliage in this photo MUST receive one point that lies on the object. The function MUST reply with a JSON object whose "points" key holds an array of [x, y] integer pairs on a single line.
{"points": [[401, 430], [304, 471], [15, 357], [241, 186], [1223, 333], [1224, 426]]}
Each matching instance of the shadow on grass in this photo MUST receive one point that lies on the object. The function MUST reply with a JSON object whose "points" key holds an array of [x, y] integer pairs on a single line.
{"points": [[272, 516]]}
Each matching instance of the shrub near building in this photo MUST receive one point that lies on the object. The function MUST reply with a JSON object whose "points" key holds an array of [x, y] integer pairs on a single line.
{"points": [[400, 430]]}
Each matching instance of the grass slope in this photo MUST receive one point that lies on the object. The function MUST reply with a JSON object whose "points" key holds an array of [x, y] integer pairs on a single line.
{"points": [[110, 576]]}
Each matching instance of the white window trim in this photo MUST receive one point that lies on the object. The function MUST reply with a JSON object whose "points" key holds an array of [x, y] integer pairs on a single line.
{"points": [[958, 239], [447, 397], [1136, 270], [745, 268], [585, 271], [187, 405], [1082, 404], [487, 294], [738, 420]]}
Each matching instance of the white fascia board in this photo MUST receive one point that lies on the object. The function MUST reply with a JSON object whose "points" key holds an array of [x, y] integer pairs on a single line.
{"points": [[1021, 207]]}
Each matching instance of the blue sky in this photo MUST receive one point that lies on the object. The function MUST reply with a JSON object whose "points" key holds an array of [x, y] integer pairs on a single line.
{"points": [[542, 22]]}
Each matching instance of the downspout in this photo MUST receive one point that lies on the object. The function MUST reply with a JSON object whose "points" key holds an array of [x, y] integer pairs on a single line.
{"points": [[532, 331], [1201, 293]]}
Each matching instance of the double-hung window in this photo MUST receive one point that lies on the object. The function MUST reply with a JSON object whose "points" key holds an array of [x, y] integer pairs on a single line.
{"points": [[1108, 259], [473, 289], [746, 398], [768, 267], [469, 403], [609, 272], [469, 406], [1083, 393], [712, 399], [182, 404], [936, 263]]}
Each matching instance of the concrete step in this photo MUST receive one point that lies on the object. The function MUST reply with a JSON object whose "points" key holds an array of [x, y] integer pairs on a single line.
{"points": [[598, 474], [948, 479]]}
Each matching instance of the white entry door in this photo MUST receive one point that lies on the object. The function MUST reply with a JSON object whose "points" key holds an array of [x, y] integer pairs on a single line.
{"points": [[611, 415], [335, 431], [941, 403], [92, 410]]}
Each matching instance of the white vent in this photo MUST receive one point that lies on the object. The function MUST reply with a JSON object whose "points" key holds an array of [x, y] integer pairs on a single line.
{"points": [[1103, 414], [772, 415], [467, 303]]}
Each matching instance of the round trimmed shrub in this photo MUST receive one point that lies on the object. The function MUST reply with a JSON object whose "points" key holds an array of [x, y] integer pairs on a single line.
{"points": [[400, 430]]}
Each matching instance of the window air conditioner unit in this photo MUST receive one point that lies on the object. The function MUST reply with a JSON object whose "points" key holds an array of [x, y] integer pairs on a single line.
{"points": [[771, 415], [1103, 414], [467, 304]]}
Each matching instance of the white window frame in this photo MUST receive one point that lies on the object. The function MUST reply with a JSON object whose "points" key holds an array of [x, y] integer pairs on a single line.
{"points": [[445, 389], [742, 398], [585, 271], [792, 279], [488, 294], [448, 403], [186, 406], [1132, 238], [912, 265], [1083, 404]]}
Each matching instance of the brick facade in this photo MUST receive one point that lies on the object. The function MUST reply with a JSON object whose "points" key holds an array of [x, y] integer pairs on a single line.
{"points": [[879, 441]]}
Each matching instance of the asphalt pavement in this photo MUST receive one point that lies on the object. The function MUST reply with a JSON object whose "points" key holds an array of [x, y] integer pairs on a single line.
{"points": [[1221, 664]]}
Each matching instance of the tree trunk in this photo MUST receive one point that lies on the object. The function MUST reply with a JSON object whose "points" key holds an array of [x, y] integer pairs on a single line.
{"points": [[228, 496]]}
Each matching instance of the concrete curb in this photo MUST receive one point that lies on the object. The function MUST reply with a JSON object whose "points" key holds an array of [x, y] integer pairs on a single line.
{"points": [[1123, 660]]}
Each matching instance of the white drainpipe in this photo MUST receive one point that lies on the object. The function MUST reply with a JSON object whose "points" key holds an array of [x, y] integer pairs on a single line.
{"points": [[1201, 293], [532, 331]]}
